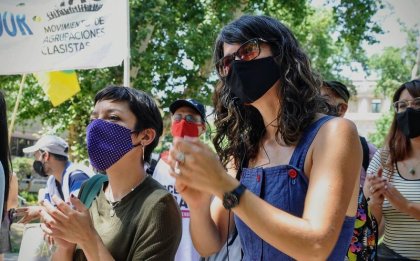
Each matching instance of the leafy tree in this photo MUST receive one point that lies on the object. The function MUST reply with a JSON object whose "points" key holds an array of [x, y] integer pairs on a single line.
{"points": [[171, 53], [22, 167], [382, 128], [394, 67]]}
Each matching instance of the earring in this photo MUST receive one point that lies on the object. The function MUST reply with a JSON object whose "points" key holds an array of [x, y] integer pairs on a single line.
{"points": [[142, 148]]}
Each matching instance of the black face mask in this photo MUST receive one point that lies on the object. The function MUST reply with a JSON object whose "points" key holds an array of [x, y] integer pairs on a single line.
{"points": [[409, 122], [250, 80], [39, 168]]}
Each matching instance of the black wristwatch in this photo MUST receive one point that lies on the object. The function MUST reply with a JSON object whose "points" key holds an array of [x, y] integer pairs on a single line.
{"points": [[231, 199]]}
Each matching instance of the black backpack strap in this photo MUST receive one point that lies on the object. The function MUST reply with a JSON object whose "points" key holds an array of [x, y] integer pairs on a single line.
{"points": [[365, 148], [91, 188]]}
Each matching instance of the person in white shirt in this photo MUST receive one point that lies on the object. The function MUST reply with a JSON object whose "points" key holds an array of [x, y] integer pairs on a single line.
{"points": [[187, 119], [64, 177]]}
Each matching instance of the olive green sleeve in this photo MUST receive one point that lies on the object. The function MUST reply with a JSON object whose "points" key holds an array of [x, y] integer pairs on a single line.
{"points": [[161, 232]]}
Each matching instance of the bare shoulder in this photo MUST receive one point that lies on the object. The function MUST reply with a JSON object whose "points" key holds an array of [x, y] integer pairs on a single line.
{"points": [[336, 136], [338, 128], [337, 132]]}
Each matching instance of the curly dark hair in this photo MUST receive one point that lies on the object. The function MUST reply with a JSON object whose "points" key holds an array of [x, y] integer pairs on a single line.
{"points": [[239, 129]]}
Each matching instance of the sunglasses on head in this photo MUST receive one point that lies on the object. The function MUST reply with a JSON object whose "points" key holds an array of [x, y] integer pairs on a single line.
{"points": [[246, 52]]}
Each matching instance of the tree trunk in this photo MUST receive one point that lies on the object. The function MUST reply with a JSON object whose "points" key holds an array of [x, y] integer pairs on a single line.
{"points": [[72, 139]]}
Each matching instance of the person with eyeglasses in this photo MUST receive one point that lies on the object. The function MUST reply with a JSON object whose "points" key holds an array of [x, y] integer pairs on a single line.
{"points": [[393, 181], [285, 173], [188, 118]]}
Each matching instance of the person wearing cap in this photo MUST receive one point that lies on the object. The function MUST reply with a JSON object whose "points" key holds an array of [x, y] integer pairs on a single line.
{"points": [[337, 96], [364, 242], [187, 119], [64, 177]]}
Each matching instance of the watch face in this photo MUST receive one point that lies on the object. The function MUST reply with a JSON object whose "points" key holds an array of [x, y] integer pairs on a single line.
{"points": [[230, 200]]}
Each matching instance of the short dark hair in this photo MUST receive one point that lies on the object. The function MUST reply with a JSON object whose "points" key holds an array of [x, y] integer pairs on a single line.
{"points": [[5, 157], [142, 105]]}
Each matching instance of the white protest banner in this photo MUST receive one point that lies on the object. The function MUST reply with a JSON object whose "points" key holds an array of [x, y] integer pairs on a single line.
{"points": [[52, 35]]}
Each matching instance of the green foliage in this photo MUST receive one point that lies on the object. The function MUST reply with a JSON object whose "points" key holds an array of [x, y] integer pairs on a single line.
{"points": [[355, 20], [22, 167], [394, 69], [394, 65], [382, 128], [31, 198], [171, 54]]}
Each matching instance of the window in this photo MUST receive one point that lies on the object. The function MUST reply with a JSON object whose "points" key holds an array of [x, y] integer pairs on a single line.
{"points": [[376, 105]]}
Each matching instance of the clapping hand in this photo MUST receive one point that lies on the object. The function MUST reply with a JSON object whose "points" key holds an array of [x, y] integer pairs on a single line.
{"points": [[73, 225], [397, 200]]}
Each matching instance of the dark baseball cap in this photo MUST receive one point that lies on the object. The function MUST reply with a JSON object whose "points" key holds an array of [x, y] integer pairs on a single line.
{"points": [[339, 88], [189, 103]]}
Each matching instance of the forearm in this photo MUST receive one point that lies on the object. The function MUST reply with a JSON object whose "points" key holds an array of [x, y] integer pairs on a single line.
{"points": [[94, 249], [413, 209], [376, 210], [297, 237], [63, 254], [204, 232]]}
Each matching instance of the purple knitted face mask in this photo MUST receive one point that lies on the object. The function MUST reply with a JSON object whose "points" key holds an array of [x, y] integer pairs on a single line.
{"points": [[107, 143]]}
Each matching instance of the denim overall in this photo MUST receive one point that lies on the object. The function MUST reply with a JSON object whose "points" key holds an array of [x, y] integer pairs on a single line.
{"points": [[285, 187]]}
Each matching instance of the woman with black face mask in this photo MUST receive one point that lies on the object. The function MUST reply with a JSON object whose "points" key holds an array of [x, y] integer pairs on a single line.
{"points": [[393, 185], [295, 191]]}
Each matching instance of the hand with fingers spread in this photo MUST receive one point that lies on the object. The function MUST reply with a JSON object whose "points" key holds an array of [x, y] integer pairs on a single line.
{"points": [[28, 213], [200, 169]]}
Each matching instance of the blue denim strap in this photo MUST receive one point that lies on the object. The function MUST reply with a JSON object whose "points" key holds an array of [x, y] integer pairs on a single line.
{"points": [[299, 154]]}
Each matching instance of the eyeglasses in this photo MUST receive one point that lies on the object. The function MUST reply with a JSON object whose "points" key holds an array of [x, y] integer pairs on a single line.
{"points": [[246, 52], [188, 118], [401, 106]]}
